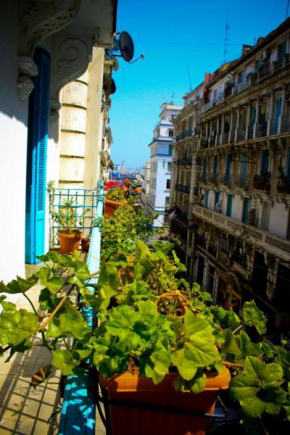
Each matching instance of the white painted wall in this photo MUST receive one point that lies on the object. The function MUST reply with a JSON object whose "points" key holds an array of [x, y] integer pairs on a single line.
{"points": [[13, 148], [279, 220]]}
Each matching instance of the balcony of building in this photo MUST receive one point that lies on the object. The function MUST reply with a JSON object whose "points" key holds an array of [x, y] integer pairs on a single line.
{"points": [[255, 236], [182, 188], [213, 178], [283, 185], [241, 180], [262, 182], [225, 179]]}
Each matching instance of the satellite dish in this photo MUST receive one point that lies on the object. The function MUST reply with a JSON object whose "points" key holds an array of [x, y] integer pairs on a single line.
{"points": [[126, 46]]}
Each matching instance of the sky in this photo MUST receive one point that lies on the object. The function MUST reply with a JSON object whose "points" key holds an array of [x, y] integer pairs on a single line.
{"points": [[181, 40]]}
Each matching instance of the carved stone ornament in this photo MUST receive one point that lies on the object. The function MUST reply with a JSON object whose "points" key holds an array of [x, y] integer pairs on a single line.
{"points": [[25, 86], [71, 61], [43, 18]]}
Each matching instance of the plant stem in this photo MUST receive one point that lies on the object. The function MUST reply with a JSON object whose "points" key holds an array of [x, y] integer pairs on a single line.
{"points": [[31, 304], [229, 364], [44, 325], [237, 329], [263, 426]]}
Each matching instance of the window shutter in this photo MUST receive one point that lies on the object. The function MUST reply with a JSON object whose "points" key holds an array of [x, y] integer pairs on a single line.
{"points": [[36, 159]]}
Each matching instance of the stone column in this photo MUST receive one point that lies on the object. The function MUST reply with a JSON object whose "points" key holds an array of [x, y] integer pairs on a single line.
{"points": [[237, 125], [248, 120]]}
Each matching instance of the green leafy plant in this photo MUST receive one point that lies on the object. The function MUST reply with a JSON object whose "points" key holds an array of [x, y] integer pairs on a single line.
{"points": [[116, 194], [134, 328], [66, 215]]}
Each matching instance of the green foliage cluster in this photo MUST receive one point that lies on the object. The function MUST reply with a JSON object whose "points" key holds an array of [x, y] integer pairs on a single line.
{"points": [[131, 327], [116, 194], [125, 224], [66, 215]]}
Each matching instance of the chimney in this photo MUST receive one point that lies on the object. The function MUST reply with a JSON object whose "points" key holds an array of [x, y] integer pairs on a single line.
{"points": [[246, 49], [208, 77]]}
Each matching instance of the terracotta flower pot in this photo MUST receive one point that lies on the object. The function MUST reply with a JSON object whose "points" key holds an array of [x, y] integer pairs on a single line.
{"points": [[159, 409], [69, 242], [111, 207]]}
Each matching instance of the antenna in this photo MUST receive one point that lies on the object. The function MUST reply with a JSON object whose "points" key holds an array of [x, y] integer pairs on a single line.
{"points": [[226, 40], [172, 99], [189, 78]]}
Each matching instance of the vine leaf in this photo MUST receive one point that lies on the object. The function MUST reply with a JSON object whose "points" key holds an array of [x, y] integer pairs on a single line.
{"points": [[18, 285], [254, 317], [258, 388], [16, 325], [62, 360]]}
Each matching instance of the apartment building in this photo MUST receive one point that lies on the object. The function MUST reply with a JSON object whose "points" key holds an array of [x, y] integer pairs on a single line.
{"points": [[232, 202], [161, 162], [145, 183]]}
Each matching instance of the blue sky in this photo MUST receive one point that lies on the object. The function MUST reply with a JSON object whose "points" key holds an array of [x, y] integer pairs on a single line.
{"points": [[176, 36]]}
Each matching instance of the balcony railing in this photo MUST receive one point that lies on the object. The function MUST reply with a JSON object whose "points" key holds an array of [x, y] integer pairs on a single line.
{"points": [[284, 185], [241, 180], [261, 130], [225, 179], [181, 162], [240, 258], [188, 161], [182, 188], [262, 182], [241, 134], [250, 132], [200, 240], [204, 143], [225, 138], [203, 178], [213, 178], [212, 141], [262, 238], [285, 124]]}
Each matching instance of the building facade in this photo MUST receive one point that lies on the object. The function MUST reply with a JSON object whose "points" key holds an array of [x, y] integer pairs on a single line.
{"points": [[161, 162], [238, 224], [45, 45]]}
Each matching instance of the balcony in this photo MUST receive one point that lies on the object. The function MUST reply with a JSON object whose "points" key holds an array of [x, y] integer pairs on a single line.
{"points": [[241, 180], [203, 178], [241, 134], [240, 259], [204, 143], [250, 132], [213, 178], [285, 124], [262, 182], [182, 188], [188, 161], [284, 185], [212, 141], [225, 138], [181, 162], [255, 236], [261, 130], [225, 179]]}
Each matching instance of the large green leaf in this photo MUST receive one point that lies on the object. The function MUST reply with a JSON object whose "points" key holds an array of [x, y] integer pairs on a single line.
{"points": [[62, 360], [198, 348], [18, 285], [16, 325], [258, 388], [254, 317]]}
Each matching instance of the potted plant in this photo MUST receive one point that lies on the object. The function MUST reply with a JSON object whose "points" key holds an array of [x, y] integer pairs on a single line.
{"points": [[115, 197], [145, 354], [70, 224]]}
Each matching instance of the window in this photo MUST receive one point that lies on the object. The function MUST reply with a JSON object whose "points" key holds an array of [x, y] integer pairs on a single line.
{"points": [[229, 205], [169, 164], [173, 117], [241, 77], [168, 184], [166, 201], [170, 150], [170, 133]]}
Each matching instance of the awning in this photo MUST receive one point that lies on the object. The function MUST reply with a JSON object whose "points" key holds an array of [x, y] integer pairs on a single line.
{"points": [[103, 159]]}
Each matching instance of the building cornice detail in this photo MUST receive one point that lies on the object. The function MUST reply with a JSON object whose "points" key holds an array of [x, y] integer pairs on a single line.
{"points": [[41, 19]]}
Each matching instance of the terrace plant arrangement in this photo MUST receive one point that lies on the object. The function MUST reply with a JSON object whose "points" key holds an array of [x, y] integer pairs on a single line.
{"points": [[115, 197], [157, 336], [69, 221]]}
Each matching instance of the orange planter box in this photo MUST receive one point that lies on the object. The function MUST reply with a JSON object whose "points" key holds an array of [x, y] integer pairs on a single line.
{"points": [[111, 206], [131, 419]]}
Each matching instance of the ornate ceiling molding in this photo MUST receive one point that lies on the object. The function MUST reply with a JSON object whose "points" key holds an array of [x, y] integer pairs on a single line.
{"points": [[41, 18]]}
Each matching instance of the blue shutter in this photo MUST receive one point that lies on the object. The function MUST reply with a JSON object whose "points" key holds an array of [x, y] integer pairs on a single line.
{"points": [[36, 160], [216, 199], [246, 205], [278, 106], [229, 205], [265, 162], [215, 165]]}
